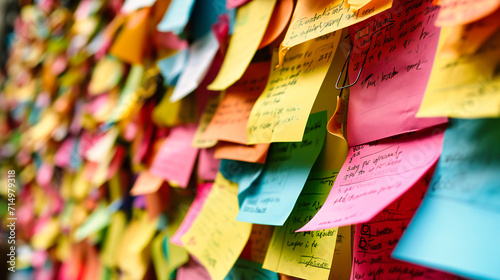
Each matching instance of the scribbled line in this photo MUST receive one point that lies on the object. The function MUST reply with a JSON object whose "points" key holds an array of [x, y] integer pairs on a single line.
{"points": [[312, 261], [378, 151]]}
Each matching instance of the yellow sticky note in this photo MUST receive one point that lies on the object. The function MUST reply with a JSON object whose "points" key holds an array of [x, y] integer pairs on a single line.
{"points": [[251, 23], [216, 239], [473, 92], [206, 117], [113, 237], [165, 265], [312, 19], [304, 254], [106, 75], [342, 258], [280, 113], [129, 95], [45, 238]]}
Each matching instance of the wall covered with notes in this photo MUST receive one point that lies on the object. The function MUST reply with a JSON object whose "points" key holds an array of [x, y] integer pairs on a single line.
{"points": [[251, 139]]}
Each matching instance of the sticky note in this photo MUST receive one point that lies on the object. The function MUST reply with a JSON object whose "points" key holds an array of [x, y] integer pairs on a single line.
{"points": [[201, 54], [129, 95], [205, 14], [146, 183], [192, 271], [216, 249], [342, 257], [251, 23], [279, 20], [208, 165], [166, 262], [280, 113], [202, 191], [314, 19], [256, 247], [113, 236], [244, 269], [375, 240], [271, 197], [231, 116], [473, 92], [199, 141], [463, 194], [395, 56], [106, 75], [240, 172], [375, 174], [175, 159], [306, 255], [171, 67], [130, 44], [250, 153], [176, 17], [231, 4], [132, 5], [458, 12]]}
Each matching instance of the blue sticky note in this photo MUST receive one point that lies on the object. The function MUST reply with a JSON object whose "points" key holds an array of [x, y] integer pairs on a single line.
{"points": [[456, 227], [205, 14], [171, 67], [270, 199], [244, 269], [240, 172], [176, 17]]}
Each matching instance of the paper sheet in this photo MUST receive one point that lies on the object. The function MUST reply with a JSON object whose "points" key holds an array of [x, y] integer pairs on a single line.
{"points": [[280, 114], [130, 43], [394, 53], [251, 23], [218, 249], [376, 174], [132, 5], [231, 117], [249, 153], [279, 20], [305, 255], [270, 198], [171, 67], [201, 54], [312, 19], [244, 269], [473, 91], [463, 194], [145, 183], [176, 17], [175, 159]]}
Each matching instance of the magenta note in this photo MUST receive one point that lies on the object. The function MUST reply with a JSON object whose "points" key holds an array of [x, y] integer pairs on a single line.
{"points": [[394, 51], [376, 174]]}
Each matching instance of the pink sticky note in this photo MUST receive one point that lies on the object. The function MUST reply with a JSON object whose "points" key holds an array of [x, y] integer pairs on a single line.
{"points": [[375, 240], [175, 158], [63, 155], [44, 174], [208, 166], [192, 271], [376, 174], [231, 4], [394, 52], [202, 191]]}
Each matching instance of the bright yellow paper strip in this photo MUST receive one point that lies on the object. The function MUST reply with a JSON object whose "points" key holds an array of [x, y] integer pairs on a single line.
{"points": [[464, 87], [312, 19], [281, 112], [216, 239], [251, 23]]}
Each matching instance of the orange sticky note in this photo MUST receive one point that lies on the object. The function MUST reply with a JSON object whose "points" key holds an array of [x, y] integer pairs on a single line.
{"points": [[458, 12], [229, 122], [146, 183], [131, 41], [279, 20], [250, 153]]}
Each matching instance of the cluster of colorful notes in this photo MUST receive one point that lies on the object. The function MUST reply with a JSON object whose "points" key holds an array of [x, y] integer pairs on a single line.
{"points": [[250, 139]]}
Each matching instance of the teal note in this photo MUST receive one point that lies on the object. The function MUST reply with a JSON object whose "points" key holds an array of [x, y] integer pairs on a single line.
{"points": [[171, 67], [456, 227], [271, 197], [205, 14], [244, 269], [240, 172], [176, 17]]}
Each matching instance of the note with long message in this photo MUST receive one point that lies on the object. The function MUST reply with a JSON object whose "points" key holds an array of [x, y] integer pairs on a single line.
{"points": [[202, 191], [270, 199], [375, 174], [375, 240], [307, 254], [176, 157], [250, 26], [218, 249], [229, 122], [461, 206], [312, 19], [394, 52], [474, 90], [458, 12], [280, 114]]}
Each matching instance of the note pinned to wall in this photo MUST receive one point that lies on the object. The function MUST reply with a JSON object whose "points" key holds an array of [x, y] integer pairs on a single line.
{"points": [[171, 67], [201, 54], [375, 240], [128, 96], [199, 141], [146, 183], [458, 12], [241, 172], [231, 117], [176, 17], [375, 174], [395, 57], [251, 23], [249, 153], [463, 194], [218, 249], [305, 255], [176, 157], [271, 197], [131, 42], [279, 21], [312, 19], [280, 113], [132, 5], [473, 91]]}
